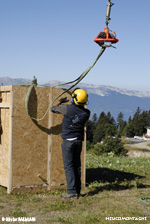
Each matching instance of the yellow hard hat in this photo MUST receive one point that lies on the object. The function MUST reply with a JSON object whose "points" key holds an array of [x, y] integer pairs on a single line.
{"points": [[80, 97]]}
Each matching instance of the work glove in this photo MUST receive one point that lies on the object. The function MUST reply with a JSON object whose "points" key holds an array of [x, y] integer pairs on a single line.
{"points": [[63, 100]]}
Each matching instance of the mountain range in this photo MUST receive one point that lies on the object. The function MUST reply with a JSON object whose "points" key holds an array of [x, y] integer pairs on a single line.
{"points": [[101, 97]]}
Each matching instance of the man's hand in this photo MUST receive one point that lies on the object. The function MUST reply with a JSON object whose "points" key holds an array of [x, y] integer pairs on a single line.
{"points": [[63, 100]]}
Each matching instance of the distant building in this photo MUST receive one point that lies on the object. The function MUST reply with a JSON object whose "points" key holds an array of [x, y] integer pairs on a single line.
{"points": [[147, 135]]}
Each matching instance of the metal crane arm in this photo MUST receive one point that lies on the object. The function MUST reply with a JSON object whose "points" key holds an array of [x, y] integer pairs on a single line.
{"points": [[109, 5]]}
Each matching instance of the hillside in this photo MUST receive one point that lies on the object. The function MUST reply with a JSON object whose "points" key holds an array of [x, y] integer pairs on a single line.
{"points": [[10, 81], [115, 100]]}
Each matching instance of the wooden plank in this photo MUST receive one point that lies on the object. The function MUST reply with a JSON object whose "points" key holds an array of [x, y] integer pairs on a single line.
{"points": [[4, 147], [5, 88], [5, 105], [50, 123], [83, 160], [9, 188], [29, 188]]}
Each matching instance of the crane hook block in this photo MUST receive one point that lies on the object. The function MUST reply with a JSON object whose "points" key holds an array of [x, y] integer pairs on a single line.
{"points": [[105, 36]]}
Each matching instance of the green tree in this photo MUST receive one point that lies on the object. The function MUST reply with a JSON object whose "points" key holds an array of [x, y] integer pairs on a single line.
{"points": [[137, 125], [145, 120], [90, 128], [130, 128], [109, 129], [121, 124], [110, 119], [137, 122], [94, 119], [105, 125], [110, 145], [99, 131]]}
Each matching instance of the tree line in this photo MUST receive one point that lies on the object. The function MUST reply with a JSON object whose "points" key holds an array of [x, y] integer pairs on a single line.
{"points": [[105, 125]]}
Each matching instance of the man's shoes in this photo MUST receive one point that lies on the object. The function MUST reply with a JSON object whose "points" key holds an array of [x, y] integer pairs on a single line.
{"points": [[66, 196]]}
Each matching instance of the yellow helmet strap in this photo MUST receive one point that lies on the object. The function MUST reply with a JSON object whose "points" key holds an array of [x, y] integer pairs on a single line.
{"points": [[75, 97]]}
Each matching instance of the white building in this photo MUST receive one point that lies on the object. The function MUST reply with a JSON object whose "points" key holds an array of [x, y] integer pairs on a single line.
{"points": [[148, 132]]}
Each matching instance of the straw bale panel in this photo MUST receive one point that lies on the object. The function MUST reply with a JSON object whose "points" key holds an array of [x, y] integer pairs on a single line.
{"points": [[29, 137], [31, 155]]}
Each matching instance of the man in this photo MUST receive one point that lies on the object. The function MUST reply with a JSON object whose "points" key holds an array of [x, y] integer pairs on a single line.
{"points": [[75, 117]]}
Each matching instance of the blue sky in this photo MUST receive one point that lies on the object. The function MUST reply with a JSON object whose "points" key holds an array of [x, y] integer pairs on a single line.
{"points": [[53, 40]]}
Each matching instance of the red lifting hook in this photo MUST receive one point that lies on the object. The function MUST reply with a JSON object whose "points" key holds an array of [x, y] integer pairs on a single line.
{"points": [[106, 35]]}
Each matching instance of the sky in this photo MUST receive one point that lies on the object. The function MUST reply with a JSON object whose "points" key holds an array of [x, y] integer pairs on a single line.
{"points": [[53, 40]]}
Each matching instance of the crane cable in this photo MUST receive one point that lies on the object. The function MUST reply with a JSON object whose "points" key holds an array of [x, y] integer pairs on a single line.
{"points": [[76, 82]]}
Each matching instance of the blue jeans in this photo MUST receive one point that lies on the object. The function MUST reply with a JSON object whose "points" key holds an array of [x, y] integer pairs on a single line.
{"points": [[71, 151]]}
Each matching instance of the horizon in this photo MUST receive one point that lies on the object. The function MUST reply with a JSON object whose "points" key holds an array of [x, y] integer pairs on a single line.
{"points": [[103, 97], [84, 83]]}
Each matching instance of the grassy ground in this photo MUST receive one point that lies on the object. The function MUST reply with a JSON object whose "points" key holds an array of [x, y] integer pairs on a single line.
{"points": [[114, 188]]}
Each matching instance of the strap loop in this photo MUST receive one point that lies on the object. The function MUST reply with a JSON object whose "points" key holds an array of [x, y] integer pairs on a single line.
{"points": [[76, 82]]}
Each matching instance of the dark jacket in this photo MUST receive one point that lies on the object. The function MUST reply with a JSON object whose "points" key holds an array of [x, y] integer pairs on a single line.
{"points": [[74, 120]]}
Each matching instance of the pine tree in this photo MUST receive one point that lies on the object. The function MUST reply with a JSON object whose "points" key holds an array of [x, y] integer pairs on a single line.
{"points": [[99, 131], [90, 128], [94, 119], [121, 124], [105, 125], [109, 129], [110, 119], [130, 128]]}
